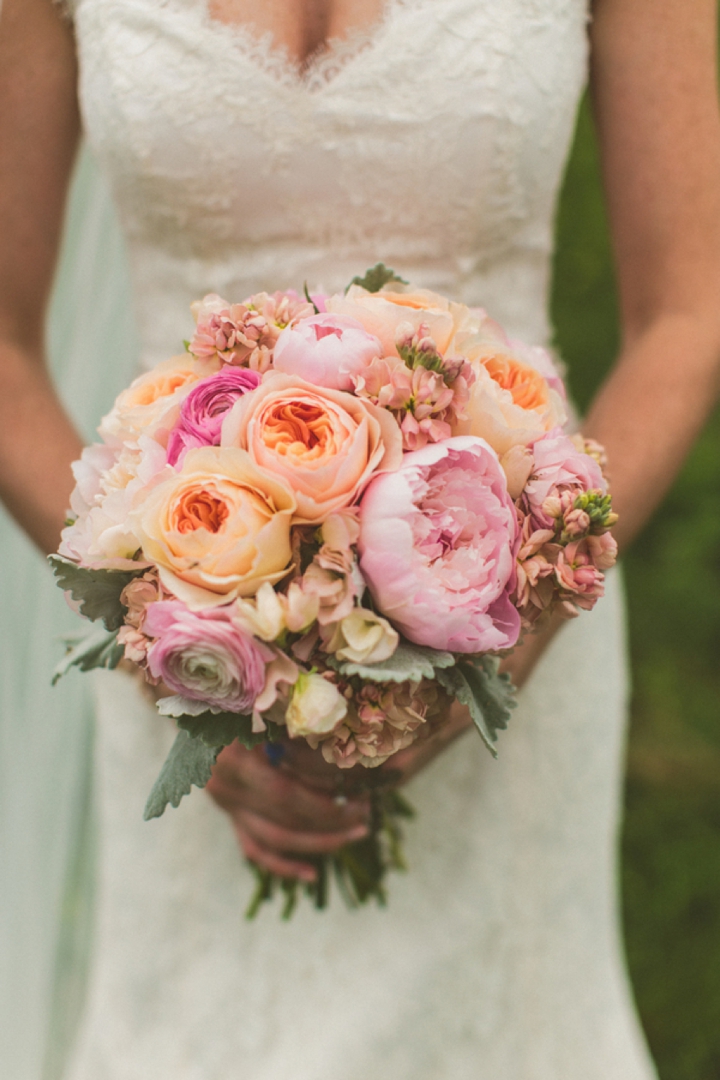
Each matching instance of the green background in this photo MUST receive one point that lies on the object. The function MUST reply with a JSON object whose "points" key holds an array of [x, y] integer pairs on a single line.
{"points": [[671, 839]]}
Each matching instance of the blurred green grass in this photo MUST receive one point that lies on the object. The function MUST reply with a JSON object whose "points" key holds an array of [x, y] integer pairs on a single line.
{"points": [[671, 836]]}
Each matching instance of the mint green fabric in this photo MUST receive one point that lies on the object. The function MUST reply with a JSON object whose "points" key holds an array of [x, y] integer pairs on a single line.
{"points": [[45, 732]]}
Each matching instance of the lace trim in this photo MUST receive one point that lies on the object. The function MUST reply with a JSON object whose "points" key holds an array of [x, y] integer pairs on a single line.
{"points": [[321, 67]]}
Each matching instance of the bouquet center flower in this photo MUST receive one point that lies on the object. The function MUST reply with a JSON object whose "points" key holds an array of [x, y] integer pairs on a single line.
{"points": [[298, 428]]}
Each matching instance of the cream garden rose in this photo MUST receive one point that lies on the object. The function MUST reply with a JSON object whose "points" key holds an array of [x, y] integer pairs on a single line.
{"points": [[151, 404], [511, 402], [383, 312], [218, 528]]}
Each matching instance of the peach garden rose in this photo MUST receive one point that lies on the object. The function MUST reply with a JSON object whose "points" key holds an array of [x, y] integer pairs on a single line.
{"points": [[218, 528], [325, 444]]}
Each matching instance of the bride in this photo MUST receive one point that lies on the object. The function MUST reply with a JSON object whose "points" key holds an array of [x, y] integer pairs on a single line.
{"points": [[256, 145]]}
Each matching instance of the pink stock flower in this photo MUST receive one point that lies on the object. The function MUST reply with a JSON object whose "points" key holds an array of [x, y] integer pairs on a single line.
{"points": [[326, 350], [203, 410], [437, 545], [426, 392], [138, 595], [559, 466], [579, 579], [244, 334], [205, 657], [384, 719]]}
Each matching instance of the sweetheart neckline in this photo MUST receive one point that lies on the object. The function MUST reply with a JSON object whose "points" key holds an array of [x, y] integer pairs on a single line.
{"points": [[321, 68]]}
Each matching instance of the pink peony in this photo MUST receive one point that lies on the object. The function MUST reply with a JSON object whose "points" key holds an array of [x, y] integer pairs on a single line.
{"points": [[326, 350], [203, 656], [437, 542], [202, 411]]}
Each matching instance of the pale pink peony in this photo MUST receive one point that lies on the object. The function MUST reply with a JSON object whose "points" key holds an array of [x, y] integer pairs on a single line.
{"points": [[205, 657], [325, 444], [326, 350], [203, 410], [438, 540]]}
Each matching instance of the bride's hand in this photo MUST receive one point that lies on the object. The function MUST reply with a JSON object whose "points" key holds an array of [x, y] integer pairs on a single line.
{"points": [[278, 817]]}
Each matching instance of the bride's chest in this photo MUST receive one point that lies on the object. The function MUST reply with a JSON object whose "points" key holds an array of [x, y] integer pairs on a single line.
{"points": [[447, 95]]}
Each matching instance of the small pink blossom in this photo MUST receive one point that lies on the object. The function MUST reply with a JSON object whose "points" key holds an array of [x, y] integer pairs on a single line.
{"points": [[138, 595]]}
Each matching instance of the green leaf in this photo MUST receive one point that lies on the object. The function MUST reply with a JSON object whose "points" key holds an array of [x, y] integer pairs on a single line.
{"points": [[309, 298], [409, 663], [220, 729], [96, 591], [93, 650], [488, 695], [375, 278], [189, 762]]}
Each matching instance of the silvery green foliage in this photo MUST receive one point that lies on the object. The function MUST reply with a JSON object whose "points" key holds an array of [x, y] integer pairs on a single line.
{"points": [[409, 663], [189, 762], [93, 650], [96, 591], [490, 696]]}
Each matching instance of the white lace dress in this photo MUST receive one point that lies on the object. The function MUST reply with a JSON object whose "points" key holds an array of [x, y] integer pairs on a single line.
{"points": [[435, 143]]}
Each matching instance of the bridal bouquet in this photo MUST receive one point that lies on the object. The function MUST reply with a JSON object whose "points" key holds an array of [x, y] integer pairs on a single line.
{"points": [[325, 521]]}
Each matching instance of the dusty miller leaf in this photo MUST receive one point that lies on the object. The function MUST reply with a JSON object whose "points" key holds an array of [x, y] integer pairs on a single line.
{"points": [[376, 277], [96, 591], [220, 729], [94, 650], [494, 692], [488, 695], [409, 663], [189, 762]]}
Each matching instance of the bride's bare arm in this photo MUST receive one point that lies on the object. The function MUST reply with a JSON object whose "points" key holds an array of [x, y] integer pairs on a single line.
{"points": [[39, 128], [655, 98], [656, 104], [654, 84], [38, 138]]}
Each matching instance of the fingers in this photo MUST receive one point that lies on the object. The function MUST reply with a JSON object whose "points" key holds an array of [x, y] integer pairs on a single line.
{"points": [[245, 778], [272, 861], [283, 839]]}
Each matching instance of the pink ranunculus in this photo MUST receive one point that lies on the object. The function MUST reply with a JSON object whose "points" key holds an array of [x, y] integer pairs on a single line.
{"points": [[557, 465], [205, 657], [438, 540], [326, 350], [204, 408]]}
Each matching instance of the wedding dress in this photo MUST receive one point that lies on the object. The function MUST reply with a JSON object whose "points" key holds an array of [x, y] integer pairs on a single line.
{"points": [[435, 142]]}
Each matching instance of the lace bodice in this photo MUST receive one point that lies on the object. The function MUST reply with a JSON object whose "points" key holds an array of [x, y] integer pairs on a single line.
{"points": [[435, 142]]}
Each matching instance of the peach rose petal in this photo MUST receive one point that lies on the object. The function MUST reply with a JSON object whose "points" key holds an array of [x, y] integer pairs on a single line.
{"points": [[218, 528], [325, 444]]}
